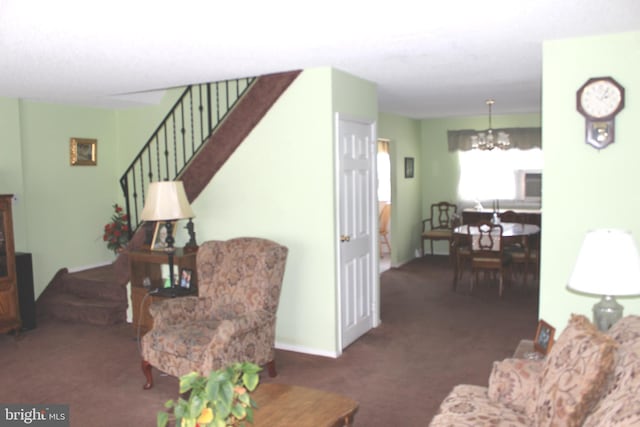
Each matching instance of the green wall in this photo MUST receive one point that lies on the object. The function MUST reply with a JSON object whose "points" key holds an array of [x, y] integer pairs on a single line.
{"points": [[441, 169], [11, 176], [61, 209], [406, 211], [584, 188], [280, 185]]}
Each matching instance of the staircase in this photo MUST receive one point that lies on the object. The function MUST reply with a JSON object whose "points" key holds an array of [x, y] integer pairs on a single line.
{"points": [[175, 151]]}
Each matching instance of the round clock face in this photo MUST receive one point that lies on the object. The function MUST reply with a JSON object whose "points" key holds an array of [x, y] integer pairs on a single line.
{"points": [[600, 98]]}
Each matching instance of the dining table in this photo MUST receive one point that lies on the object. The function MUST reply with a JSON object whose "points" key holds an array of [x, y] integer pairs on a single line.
{"points": [[512, 233]]}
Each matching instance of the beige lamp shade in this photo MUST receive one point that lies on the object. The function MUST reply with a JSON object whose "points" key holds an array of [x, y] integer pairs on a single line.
{"points": [[166, 200], [608, 264]]}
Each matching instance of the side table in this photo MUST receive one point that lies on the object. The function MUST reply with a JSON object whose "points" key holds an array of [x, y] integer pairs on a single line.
{"points": [[146, 265], [525, 350]]}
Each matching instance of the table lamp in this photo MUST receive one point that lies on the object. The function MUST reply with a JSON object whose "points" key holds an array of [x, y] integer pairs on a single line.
{"points": [[608, 264], [167, 201]]}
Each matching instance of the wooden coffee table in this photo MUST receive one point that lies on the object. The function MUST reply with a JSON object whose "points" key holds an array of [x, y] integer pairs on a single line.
{"points": [[282, 405]]}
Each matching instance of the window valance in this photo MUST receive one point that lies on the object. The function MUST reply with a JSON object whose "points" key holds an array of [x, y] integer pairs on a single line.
{"points": [[521, 138]]}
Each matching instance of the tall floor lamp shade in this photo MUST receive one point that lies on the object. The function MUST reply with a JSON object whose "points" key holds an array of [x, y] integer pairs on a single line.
{"points": [[608, 264], [167, 201]]}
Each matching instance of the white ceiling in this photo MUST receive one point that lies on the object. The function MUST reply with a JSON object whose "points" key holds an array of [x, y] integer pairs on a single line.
{"points": [[428, 58]]}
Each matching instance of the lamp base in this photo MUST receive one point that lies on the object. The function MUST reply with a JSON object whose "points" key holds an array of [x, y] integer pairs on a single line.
{"points": [[606, 312]]}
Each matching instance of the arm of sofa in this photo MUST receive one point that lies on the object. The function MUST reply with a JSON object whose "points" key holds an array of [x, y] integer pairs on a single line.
{"points": [[515, 383]]}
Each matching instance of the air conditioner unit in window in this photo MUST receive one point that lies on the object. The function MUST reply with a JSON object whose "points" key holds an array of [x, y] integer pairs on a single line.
{"points": [[529, 185]]}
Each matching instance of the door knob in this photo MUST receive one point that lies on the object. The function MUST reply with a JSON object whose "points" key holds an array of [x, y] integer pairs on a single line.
{"points": [[345, 238]]}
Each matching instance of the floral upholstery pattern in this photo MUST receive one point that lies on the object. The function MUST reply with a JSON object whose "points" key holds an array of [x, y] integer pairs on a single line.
{"points": [[575, 374], [620, 405], [470, 406], [232, 319], [588, 379], [513, 382]]}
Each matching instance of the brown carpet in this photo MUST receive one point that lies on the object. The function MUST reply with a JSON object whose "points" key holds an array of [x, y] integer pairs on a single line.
{"points": [[430, 339]]}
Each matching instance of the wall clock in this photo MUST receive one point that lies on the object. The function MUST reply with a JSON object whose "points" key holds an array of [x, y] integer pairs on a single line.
{"points": [[599, 100]]}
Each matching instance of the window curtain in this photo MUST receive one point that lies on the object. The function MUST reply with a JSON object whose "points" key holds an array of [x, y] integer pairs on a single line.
{"points": [[521, 138], [383, 146]]}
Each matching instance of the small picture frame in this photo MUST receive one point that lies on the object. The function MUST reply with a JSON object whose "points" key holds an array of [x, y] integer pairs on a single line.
{"points": [[185, 278], [408, 167], [159, 241], [543, 341], [83, 152]]}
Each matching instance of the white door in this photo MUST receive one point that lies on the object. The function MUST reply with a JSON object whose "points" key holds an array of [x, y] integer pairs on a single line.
{"points": [[357, 225]]}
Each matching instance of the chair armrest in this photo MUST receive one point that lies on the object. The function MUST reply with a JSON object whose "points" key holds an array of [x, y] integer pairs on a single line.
{"points": [[172, 311], [241, 324], [238, 326], [515, 384]]}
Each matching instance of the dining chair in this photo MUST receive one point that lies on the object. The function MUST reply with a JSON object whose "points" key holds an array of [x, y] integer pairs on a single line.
{"points": [[460, 250], [487, 252], [385, 217], [439, 225], [523, 255], [511, 216]]}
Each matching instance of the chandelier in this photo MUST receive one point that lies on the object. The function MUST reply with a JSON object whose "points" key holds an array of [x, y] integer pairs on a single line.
{"points": [[487, 140]]}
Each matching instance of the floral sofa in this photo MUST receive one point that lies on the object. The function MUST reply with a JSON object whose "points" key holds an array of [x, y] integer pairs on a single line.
{"points": [[589, 378]]}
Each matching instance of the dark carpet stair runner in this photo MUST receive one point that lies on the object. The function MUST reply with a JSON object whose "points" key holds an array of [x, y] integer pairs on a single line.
{"points": [[98, 295]]}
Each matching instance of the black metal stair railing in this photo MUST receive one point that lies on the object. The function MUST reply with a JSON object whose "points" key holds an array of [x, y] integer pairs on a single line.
{"points": [[193, 118]]}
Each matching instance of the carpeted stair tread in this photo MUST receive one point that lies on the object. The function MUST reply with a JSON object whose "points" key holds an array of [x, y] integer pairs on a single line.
{"points": [[97, 311], [97, 282], [96, 295]]}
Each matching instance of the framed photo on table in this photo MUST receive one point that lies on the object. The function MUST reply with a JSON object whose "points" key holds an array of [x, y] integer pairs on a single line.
{"points": [[159, 241], [543, 341], [185, 278]]}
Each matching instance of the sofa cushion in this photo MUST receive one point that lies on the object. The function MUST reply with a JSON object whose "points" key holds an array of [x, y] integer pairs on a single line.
{"points": [[620, 405], [625, 330], [470, 406], [514, 383], [575, 374]]}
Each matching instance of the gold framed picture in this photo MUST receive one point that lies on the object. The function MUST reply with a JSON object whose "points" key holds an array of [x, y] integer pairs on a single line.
{"points": [[84, 152]]}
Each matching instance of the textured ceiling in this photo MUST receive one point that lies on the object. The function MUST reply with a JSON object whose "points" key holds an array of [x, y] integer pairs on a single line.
{"points": [[428, 58]]}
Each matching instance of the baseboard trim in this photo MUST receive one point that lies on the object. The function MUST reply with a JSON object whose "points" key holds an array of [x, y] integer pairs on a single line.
{"points": [[305, 350]]}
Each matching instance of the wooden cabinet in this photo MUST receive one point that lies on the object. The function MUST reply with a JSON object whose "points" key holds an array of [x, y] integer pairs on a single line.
{"points": [[9, 312], [146, 266]]}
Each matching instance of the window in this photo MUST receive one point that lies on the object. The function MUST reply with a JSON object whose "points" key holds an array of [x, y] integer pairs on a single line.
{"points": [[497, 174]]}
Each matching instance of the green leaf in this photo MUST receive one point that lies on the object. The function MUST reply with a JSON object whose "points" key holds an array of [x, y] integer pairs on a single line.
{"points": [[196, 405], [250, 380], [249, 414], [187, 381], [245, 398], [162, 419], [169, 404], [238, 411]]}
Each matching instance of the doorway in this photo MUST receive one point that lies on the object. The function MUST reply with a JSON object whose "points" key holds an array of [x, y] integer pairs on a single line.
{"points": [[383, 160]]}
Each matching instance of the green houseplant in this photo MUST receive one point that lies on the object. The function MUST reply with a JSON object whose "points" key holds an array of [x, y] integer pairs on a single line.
{"points": [[220, 400]]}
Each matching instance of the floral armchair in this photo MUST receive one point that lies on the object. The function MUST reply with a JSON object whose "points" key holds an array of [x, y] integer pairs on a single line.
{"points": [[232, 319]]}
